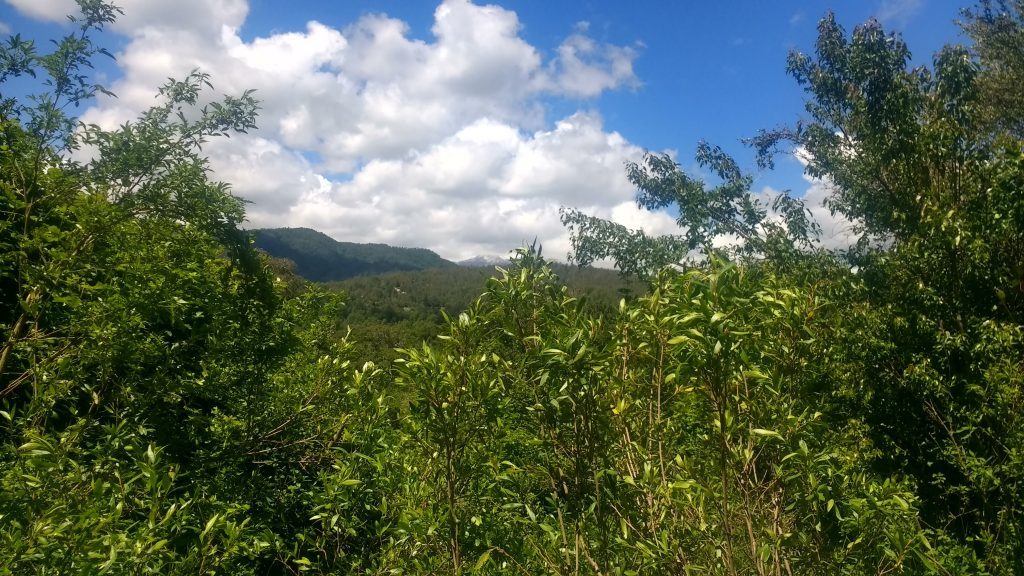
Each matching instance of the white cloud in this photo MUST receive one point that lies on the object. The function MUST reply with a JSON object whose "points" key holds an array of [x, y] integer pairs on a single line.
{"points": [[837, 232], [5, 28], [371, 135], [897, 12], [584, 68], [196, 14], [576, 161], [484, 190], [635, 218], [207, 16], [191, 14], [55, 10]]}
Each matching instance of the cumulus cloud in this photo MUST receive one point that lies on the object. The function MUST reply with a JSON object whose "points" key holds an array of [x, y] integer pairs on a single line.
{"points": [[837, 232], [485, 189], [585, 68], [369, 134]]}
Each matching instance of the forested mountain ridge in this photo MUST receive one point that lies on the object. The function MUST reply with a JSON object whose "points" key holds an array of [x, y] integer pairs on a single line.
{"points": [[172, 401], [320, 258]]}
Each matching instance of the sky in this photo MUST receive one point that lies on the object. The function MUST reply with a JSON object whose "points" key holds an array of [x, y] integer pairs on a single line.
{"points": [[463, 126]]}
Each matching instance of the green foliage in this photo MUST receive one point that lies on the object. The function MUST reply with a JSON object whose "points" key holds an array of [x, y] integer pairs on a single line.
{"points": [[934, 183], [99, 498], [164, 410], [172, 401], [65, 74], [997, 29], [926, 163], [320, 258], [727, 209], [403, 309], [682, 438]]}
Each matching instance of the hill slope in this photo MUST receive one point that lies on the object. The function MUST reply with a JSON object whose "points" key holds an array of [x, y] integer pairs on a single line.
{"points": [[320, 258], [402, 309], [425, 293]]}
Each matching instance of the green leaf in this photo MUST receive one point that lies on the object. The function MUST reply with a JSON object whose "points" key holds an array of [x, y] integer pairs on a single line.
{"points": [[482, 560], [157, 545], [209, 526]]}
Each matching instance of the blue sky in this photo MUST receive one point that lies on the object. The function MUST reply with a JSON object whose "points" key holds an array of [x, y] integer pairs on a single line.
{"points": [[463, 127]]}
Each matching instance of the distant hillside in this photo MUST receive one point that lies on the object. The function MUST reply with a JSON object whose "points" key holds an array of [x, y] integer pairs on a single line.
{"points": [[424, 293], [320, 258], [402, 309]]}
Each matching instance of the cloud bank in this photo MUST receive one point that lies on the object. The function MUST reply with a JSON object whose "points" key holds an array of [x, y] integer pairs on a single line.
{"points": [[371, 135]]}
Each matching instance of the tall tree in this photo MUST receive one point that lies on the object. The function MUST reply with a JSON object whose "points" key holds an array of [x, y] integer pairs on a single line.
{"points": [[997, 29], [725, 212], [914, 162]]}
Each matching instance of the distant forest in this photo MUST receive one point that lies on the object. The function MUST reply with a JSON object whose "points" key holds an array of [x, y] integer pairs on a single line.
{"points": [[397, 297], [402, 309]]}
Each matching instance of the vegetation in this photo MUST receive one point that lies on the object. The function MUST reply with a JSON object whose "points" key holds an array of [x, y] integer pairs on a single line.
{"points": [[174, 401], [402, 309], [320, 258]]}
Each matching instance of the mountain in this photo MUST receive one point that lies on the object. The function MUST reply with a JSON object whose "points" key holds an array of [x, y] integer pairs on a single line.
{"points": [[483, 262], [320, 258]]}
